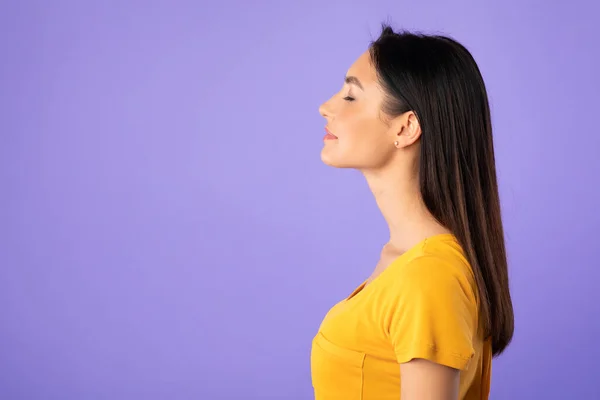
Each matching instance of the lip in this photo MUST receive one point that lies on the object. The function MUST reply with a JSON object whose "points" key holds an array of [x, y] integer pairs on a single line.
{"points": [[329, 135]]}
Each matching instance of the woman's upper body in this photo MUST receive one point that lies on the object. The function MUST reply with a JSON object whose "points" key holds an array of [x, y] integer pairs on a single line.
{"points": [[422, 306], [413, 117]]}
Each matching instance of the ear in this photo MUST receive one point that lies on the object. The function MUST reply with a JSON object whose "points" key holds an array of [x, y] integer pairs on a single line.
{"points": [[405, 129]]}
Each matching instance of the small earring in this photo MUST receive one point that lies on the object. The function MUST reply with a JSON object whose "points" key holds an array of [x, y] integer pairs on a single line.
{"points": [[396, 143]]}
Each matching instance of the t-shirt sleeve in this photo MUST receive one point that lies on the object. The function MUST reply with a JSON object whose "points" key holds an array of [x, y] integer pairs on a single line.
{"points": [[432, 314]]}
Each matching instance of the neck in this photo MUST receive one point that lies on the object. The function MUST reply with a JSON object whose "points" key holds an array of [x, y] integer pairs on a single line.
{"points": [[399, 199]]}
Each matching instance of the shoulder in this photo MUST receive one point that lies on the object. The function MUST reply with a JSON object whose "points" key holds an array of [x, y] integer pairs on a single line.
{"points": [[429, 307], [438, 269]]}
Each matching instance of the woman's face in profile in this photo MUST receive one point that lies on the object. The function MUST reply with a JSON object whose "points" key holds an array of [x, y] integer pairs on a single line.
{"points": [[362, 138]]}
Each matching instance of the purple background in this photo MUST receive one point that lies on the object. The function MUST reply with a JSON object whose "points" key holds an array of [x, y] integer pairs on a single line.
{"points": [[168, 231]]}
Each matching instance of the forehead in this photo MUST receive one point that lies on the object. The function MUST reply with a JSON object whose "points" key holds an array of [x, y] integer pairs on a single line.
{"points": [[363, 69]]}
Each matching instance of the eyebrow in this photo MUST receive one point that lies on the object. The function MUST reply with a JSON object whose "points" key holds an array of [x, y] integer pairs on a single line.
{"points": [[352, 80]]}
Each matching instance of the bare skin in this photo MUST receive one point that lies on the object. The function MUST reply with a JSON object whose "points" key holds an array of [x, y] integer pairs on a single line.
{"points": [[386, 151], [387, 256]]}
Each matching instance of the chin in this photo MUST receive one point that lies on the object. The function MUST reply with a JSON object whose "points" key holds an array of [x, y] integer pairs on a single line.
{"points": [[333, 160], [328, 160], [333, 157]]}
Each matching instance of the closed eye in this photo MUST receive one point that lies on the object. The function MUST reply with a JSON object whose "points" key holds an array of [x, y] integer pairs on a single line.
{"points": [[348, 98]]}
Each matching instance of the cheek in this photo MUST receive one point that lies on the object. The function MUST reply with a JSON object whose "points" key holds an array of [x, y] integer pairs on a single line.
{"points": [[355, 123], [363, 131], [365, 135]]}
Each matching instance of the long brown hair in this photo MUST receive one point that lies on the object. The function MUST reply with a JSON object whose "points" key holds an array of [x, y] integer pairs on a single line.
{"points": [[437, 78]]}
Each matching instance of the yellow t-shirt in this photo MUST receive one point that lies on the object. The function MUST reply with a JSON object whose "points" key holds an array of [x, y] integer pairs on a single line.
{"points": [[424, 305]]}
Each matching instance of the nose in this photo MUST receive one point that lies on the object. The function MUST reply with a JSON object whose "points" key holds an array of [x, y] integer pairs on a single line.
{"points": [[325, 110]]}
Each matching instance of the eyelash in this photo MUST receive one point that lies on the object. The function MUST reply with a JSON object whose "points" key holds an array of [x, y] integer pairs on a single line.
{"points": [[348, 98]]}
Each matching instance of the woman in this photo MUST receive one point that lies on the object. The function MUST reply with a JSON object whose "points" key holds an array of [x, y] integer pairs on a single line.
{"points": [[413, 117]]}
